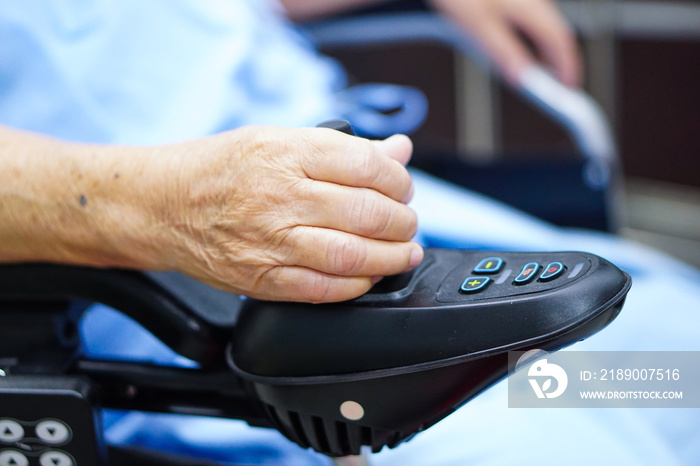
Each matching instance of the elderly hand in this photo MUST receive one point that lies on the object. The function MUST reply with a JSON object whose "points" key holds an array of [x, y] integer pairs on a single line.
{"points": [[273, 213], [292, 214], [495, 25]]}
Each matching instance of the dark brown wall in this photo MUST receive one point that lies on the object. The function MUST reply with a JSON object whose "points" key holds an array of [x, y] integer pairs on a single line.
{"points": [[659, 88]]}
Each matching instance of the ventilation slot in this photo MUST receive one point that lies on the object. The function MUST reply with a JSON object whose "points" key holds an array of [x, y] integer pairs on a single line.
{"points": [[331, 437], [298, 429], [343, 438]]}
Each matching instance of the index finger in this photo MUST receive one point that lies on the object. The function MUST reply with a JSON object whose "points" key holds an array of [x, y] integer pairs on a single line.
{"points": [[360, 163]]}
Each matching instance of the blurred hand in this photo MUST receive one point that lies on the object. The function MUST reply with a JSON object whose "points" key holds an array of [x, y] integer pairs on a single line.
{"points": [[495, 25], [291, 214]]}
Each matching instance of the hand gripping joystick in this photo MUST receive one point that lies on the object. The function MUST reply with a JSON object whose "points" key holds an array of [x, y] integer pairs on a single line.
{"points": [[377, 369], [371, 371]]}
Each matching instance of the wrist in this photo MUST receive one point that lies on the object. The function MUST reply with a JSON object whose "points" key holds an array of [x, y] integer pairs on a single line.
{"points": [[79, 204], [126, 207]]}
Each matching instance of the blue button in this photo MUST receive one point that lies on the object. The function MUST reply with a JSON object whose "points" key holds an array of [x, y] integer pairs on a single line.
{"points": [[528, 273], [489, 265], [552, 271], [473, 284]]}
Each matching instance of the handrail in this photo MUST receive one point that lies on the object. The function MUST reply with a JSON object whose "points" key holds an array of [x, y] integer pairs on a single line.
{"points": [[572, 108]]}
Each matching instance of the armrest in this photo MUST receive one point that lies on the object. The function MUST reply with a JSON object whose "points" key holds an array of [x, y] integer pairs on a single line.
{"points": [[193, 319], [337, 376]]}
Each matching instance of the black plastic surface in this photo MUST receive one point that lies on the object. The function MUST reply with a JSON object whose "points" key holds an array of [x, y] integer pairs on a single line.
{"points": [[408, 353], [58, 420], [192, 318], [416, 348], [339, 125], [428, 321]]}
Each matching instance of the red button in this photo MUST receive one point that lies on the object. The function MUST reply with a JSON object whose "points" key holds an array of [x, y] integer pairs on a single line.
{"points": [[552, 271], [527, 273]]}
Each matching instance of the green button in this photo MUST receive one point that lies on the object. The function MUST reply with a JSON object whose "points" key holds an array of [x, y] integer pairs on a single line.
{"points": [[473, 284]]}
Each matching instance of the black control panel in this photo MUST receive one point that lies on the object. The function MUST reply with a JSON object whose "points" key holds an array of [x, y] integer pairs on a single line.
{"points": [[48, 421], [338, 376], [455, 304], [511, 274]]}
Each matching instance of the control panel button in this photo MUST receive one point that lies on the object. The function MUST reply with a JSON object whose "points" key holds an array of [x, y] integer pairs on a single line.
{"points": [[473, 284], [10, 431], [552, 271], [13, 458], [55, 458], [52, 432], [527, 273], [489, 265]]}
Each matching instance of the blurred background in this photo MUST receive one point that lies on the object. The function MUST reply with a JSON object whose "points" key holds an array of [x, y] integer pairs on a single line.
{"points": [[642, 62]]}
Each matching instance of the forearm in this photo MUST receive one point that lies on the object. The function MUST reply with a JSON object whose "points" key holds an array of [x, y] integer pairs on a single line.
{"points": [[300, 10], [75, 203]]}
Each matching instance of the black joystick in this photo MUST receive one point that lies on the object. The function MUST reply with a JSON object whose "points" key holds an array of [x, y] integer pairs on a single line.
{"points": [[339, 125]]}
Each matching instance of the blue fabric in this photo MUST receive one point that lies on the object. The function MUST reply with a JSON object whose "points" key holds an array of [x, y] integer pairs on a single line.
{"points": [[156, 71]]}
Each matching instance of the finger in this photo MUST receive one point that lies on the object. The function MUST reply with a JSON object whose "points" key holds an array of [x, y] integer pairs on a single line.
{"points": [[289, 283], [359, 211], [485, 22], [344, 254], [505, 48], [350, 161], [397, 147], [553, 37]]}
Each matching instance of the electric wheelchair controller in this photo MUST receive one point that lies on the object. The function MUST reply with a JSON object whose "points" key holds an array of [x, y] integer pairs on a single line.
{"points": [[372, 371]]}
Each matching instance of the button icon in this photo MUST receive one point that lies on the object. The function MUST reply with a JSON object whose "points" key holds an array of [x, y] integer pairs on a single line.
{"points": [[528, 273], [10, 431], [489, 265], [52, 431], [552, 271], [13, 458], [56, 458], [472, 284]]}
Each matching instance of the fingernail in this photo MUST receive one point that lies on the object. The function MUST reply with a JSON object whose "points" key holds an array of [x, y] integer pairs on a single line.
{"points": [[376, 279], [416, 257]]}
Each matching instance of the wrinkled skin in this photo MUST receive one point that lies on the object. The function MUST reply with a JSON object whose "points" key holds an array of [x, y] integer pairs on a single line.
{"points": [[292, 214]]}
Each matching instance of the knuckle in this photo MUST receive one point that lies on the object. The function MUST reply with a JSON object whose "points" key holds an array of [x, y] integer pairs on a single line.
{"points": [[346, 256], [373, 215], [368, 166]]}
